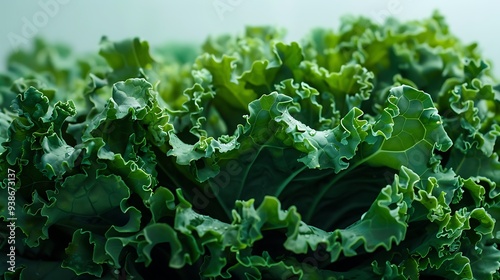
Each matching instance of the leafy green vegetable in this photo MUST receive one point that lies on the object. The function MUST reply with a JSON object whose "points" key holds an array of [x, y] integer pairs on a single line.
{"points": [[371, 152]]}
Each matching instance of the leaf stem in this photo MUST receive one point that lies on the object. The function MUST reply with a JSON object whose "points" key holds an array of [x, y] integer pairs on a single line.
{"points": [[285, 183], [326, 188]]}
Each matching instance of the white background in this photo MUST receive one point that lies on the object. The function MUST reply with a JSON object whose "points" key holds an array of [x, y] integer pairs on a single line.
{"points": [[82, 23]]}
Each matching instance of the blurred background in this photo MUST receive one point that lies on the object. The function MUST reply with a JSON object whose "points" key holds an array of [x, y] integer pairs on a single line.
{"points": [[81, 24]]}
